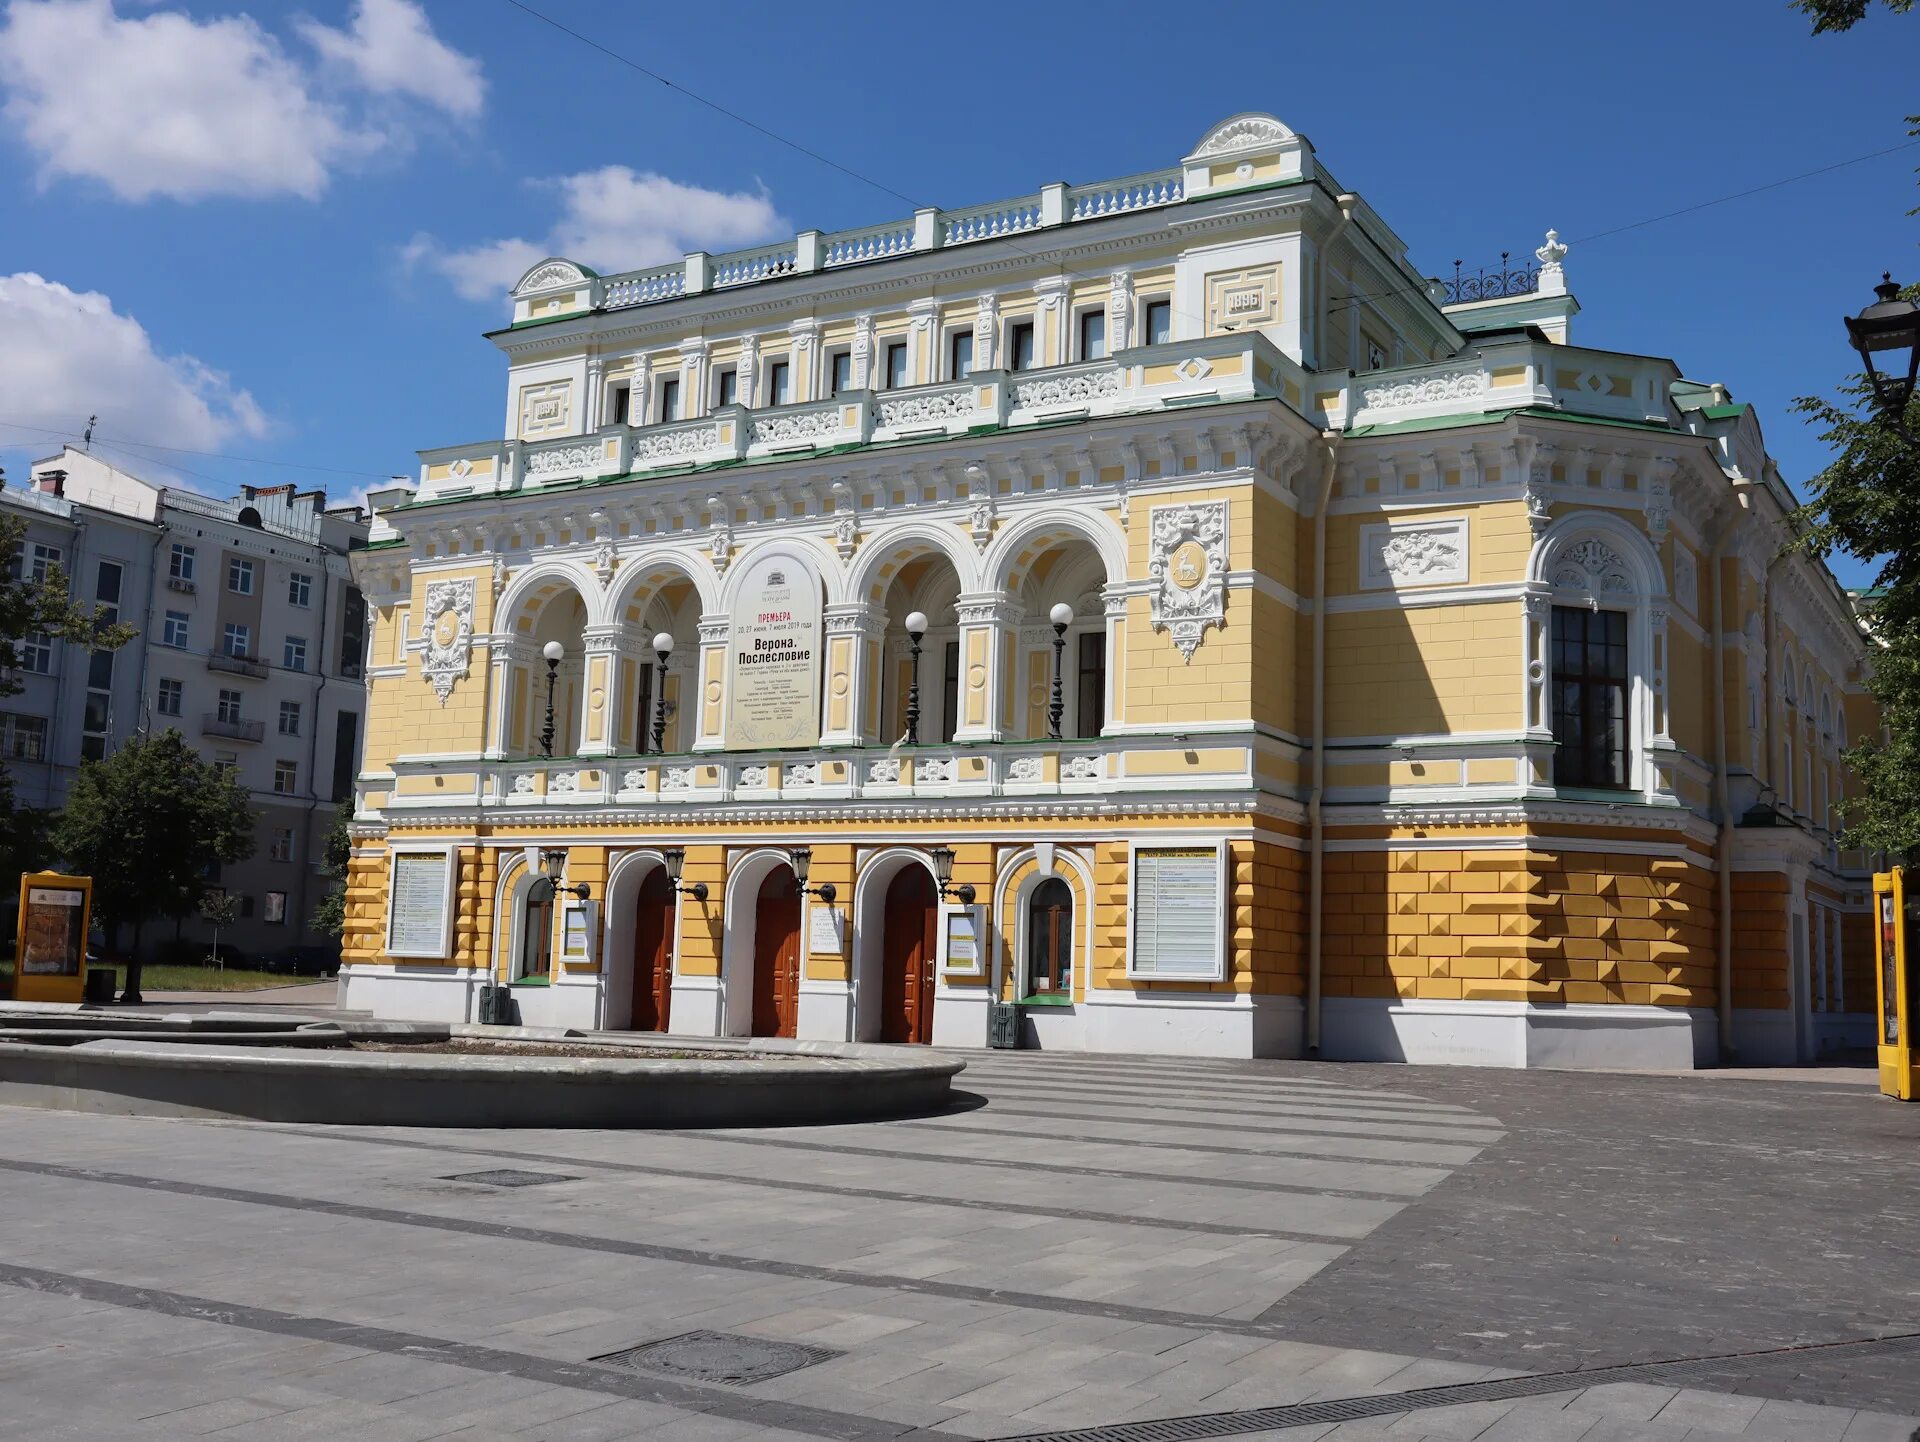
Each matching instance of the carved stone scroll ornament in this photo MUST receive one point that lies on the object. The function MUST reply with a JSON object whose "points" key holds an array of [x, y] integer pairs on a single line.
{"points": [[449, 634], [1594, 567], [1189, 571]]}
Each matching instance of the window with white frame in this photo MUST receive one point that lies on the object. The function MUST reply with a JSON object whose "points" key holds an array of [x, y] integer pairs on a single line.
{"points": [[1049, 959], [240, 576], [286, 777], [237, 640], [180, 563], [229, 708], [167, 699], [36, 652], [280, 848], [299, 589], [293, 655], [40, 560], [1178, 908], [289, 718], [173, 631]]}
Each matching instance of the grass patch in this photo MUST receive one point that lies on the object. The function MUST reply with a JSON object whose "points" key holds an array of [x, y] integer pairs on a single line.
{"points": [[206, 978]]}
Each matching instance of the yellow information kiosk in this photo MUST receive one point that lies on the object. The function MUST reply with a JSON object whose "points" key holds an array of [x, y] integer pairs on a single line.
{"points": [[50, 950], [1896, 954]]}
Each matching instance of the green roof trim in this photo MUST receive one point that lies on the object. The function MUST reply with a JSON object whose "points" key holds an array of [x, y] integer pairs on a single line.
{"points": [[1724, 413], [530, 324], [1485, 418]]}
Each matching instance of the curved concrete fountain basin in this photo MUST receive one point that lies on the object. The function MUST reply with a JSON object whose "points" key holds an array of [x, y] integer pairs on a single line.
{"points": [[784, 1084]]}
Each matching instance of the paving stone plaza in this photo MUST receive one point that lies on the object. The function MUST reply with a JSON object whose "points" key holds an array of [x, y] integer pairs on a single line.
{"points": [[1270, 1249]]}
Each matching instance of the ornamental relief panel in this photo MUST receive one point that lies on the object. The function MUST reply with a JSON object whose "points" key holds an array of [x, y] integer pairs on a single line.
{"points": [[1241, 299], [546, 410], [1430, 553], [1188, 568], [1594, 567], [449, 634]]}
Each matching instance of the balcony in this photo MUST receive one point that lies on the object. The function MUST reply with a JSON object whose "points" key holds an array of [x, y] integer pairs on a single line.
{"points": [[1137, 380], [1499, 377], [238, 665], [1017, 771], [234, 730]]}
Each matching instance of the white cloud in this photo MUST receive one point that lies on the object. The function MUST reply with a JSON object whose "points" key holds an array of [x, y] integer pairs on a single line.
{"points": [[390, 49], [70, 354], [165, 105], [613, 218]]}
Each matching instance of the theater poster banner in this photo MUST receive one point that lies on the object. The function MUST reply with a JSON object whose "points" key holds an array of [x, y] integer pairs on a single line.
{"points": [[51, 945], [773, 655]]}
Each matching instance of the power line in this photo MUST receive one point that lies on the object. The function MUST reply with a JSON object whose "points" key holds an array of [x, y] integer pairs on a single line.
{"points": [[123, 441]]}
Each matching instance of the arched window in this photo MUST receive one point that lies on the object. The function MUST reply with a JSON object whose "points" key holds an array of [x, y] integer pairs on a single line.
{"points": [[1050, 939], [536, 932]]}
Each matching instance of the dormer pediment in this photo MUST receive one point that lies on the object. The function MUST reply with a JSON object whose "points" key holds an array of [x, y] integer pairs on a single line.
{"points": [[1251, 148]]}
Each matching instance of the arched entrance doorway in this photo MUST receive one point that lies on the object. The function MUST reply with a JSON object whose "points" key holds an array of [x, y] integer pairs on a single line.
{"points": [[776, 955], [653, 951], [907, 948]]}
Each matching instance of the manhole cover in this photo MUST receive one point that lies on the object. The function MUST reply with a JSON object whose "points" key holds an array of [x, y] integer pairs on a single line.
{"points": [[719, 1357], [510, 1177]]}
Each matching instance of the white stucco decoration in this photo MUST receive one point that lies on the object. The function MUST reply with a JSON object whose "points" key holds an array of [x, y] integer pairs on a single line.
{"points": [[1429, 553], [449, 634], [1189, 571]]}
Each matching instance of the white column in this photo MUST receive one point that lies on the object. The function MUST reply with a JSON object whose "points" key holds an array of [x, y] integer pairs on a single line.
{"points": [[852, 633], [596, 397], [693, 376], [923, 350], [599, 689], [1050, 345], [1119, 311], [747, 377], [989, 628], [863, 353], [506, 657], [640, 402], [1534, 645], [709, 721], [800, 355], [986, 332]]}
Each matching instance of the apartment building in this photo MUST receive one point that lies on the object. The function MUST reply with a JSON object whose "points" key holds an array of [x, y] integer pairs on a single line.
{"points": [[251, 634]]}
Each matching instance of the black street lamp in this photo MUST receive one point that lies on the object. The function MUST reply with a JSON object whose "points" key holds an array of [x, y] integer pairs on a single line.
{"points": [[662, 648], [1062, 617], [942, 858], [916, 628], [553, 865], [802, 858], [676, 858], [553, 651], [1890, 324]]}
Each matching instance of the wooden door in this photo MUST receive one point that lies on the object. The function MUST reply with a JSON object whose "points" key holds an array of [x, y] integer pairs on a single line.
{"points": [[907, 947], [776, 955], [653, 952]]}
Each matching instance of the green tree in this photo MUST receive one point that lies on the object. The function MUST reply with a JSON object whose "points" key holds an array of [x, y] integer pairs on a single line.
{"points": [[148, 824], [330, 916], [27, 607], [1833, 15]]}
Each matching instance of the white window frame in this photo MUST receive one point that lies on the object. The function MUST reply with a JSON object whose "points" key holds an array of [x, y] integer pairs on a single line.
{"points": [[43, 558], [981, 941], [166, 629], [300, 589], [225, 700], [180, 563], [229, 632], [36, 653], [160, 694], [1223, 875], [240, 568], [289, 710], [442, 949], [287, 647], [292, 769]]}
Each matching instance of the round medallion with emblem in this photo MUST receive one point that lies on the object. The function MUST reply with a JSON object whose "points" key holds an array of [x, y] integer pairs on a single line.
{"points": [[1187, 566]]}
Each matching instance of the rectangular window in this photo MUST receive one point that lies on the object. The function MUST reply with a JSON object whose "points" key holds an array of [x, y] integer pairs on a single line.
{"points": [[93, 748], [289, 718], [840, 371], [726, 387], [281, 847], [106, 587], [293, 655], [1093, 335], [780, 384], [1590, 681], [240, 576], [167, 702], [896, 365], [230, 707], [959, 355], [36, 652], [420, 900], [1177, 910], [276, 910], [620, 400], [299, 589], [23, 738], [40, 560], [227, 761], [950, 690], [180, 566], [1091, 695], [670, 400], [100, 670], [174, 631], [1159, 322], [94, 714], [237, 640], [346, 755], [286, 777], [353, 631], [1020, 346]]}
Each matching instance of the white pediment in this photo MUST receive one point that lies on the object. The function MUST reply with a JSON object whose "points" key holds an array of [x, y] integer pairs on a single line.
{"points": [[1241, 133], [553, 273]]}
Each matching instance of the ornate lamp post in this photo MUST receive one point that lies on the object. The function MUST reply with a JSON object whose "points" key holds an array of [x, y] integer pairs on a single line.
{"points": [[553, 651], [942, 858], [1062, 617], [1892, 326], [676, 858], [662, 649], [916, 628], [802, 858], [553, 865]]}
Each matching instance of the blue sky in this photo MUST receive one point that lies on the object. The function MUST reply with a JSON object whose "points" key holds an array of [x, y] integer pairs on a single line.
{"points": [[270, 230]]}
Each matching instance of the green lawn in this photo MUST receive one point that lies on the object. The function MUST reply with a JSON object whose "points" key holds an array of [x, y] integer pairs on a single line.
{"points": [[183, 978]]}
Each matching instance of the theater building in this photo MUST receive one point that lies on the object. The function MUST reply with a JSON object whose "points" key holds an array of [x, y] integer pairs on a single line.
{"points": [[1157, 602]]}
